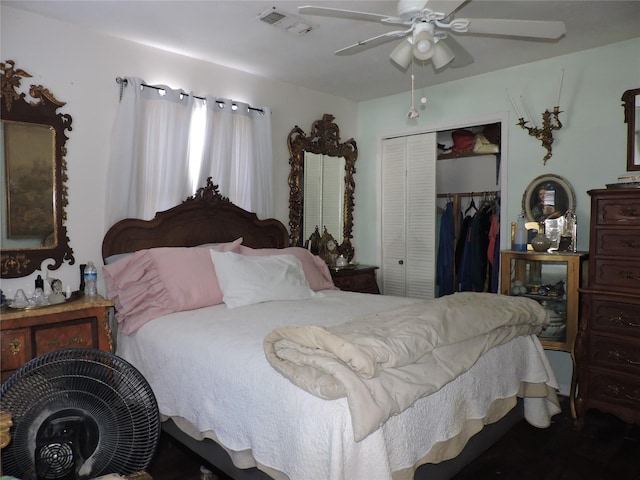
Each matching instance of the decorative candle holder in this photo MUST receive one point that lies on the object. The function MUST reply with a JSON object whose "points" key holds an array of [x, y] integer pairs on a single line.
{"points": [[550, 122]]}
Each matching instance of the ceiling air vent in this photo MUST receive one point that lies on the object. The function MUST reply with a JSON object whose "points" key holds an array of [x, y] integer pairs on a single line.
{"points": [[285, 21]]}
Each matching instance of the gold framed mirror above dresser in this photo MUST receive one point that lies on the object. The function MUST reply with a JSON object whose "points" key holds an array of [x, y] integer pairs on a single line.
{"points": [[33, 187]]}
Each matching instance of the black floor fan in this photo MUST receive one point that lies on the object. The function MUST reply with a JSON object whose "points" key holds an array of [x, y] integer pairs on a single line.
{"points": [[78, 414]]}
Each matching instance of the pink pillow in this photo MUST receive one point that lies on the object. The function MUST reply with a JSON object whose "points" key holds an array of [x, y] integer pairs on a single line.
{"points": [[154, 282], [315, 270]]}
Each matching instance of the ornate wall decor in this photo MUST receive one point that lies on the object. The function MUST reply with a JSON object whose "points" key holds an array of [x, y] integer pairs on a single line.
{"points": [[631, 99], [324, 139], [35, 176]]}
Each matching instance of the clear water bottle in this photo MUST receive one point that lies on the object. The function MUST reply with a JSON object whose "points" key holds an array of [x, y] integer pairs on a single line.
{"points": [[521, 235], [90, 280]]}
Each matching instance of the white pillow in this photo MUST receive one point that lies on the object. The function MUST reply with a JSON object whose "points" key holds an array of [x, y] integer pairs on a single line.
{"points": [[245, 280]]}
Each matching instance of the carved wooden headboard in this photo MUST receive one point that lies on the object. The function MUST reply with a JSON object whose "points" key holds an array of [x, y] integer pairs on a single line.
{"points": [[205, 217]]}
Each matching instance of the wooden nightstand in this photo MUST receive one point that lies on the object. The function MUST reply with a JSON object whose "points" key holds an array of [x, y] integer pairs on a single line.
{"points": [[80, 323], [361, 278]]}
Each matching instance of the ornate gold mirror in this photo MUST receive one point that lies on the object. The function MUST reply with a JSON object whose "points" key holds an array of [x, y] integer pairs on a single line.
{"points": [[631, 99], [33, 172], [320, 194]]}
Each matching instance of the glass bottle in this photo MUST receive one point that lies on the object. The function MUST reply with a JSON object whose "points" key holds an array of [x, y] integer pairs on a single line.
{"points": [[520, 243]]}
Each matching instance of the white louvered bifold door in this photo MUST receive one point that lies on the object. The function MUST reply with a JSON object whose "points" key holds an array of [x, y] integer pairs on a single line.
{"points": [[393, 215], [409, 215], [421, 215]]}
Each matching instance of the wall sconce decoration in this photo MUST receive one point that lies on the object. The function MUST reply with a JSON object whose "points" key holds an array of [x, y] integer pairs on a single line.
{"points": [[550, 121]]}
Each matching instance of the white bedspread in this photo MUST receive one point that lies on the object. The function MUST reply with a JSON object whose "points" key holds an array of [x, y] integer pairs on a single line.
{"points": [[208, 370], [385, 361]]}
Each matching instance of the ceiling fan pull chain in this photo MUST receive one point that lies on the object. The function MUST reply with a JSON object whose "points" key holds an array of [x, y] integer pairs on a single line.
{"points": [[413, 113]]}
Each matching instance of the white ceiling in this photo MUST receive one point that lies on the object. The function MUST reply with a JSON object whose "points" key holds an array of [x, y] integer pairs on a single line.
{"points": [[228, 33]]}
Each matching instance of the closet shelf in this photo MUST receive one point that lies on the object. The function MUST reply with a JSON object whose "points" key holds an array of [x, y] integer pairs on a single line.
{"points": [[447, 156]]}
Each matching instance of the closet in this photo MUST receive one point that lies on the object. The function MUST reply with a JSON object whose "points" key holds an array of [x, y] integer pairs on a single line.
{"points": [[421, 179], [468, 193]]}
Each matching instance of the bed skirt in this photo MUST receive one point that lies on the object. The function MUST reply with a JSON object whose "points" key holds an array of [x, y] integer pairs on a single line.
{"points": [[470, 444]]}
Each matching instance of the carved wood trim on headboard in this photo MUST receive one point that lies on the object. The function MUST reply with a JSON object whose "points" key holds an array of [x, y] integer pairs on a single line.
{"points": [[205, 217]]}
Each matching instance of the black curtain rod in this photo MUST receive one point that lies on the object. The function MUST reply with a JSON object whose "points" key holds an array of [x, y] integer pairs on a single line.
{"points": [[468, 194], [123, 83]]}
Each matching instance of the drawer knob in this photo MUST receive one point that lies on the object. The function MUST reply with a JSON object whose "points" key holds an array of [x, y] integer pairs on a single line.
{"points": [[15, 346], [629, 243], [629, 275], [619, 356], [77, 340], [629, 212], [400, 262], [619, 392], [621, 320]]}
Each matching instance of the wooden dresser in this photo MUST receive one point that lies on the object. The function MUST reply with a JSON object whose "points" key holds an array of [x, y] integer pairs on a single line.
{"points": [[607, 348], [361, 278], [80, 323]]}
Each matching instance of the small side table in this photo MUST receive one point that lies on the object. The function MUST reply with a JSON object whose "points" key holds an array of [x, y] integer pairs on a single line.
{"points": [[533, 270], [360, 278]]}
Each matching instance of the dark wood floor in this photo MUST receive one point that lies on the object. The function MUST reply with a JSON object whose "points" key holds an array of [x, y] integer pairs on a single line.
{"points": [[605, 449]]}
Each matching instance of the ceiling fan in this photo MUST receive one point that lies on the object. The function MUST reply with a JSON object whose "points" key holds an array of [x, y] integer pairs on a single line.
{"points": [[426, 27]]}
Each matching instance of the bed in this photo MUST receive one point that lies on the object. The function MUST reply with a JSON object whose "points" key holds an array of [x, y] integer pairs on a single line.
{"points": [[220, 395]]}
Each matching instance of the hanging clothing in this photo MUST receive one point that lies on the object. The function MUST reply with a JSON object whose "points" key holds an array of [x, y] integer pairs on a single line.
{"points": [[466, 263], [479, 250], [462, 238], [474, 269], [493, 254], [446, 244]]}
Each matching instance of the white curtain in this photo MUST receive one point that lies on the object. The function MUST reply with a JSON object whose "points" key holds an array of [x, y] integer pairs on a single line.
{"points": [[237, 153], [165, 143]]}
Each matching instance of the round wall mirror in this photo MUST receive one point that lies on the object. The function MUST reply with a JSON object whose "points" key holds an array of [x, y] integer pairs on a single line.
{"points": [[547, 197]]}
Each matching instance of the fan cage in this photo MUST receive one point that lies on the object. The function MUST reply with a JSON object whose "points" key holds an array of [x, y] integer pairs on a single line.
{"points": [[104, 387]]}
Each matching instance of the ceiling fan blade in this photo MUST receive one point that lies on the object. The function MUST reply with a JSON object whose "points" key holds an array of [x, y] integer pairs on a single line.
{"points": [[447, 7], [348, 14], [462, 56], [373, 42], [517, 28]]}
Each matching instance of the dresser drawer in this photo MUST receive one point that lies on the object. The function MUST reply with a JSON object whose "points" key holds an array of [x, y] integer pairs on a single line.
{"points": [[77, 334], [360, 279], [610, 389], [612, 353], [617, 242], [618, 211], [623, 274], [614, 316], [16, 348]]}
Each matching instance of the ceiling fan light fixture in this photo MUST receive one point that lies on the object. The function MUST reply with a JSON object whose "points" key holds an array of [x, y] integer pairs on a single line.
{"points": [[423, 45], [402, 55], [442, 55]]}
